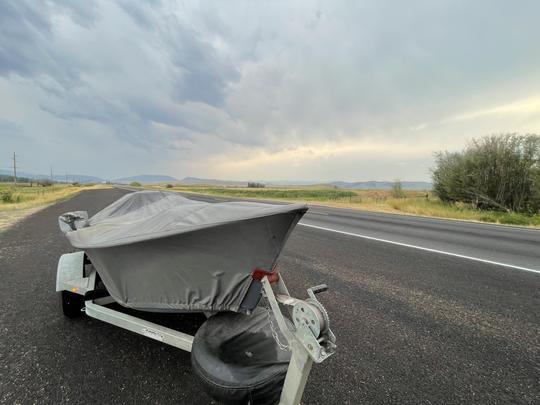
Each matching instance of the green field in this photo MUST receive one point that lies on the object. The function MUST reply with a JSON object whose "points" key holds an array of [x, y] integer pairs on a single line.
{"points": [[304, 194], [422, 203]]}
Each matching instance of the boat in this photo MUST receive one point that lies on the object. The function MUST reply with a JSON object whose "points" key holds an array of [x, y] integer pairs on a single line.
{"points": [[161, 252]]}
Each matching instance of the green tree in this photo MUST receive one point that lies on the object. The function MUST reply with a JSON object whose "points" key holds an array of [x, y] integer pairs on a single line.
{"points": [[498, 172], [397, 189]]}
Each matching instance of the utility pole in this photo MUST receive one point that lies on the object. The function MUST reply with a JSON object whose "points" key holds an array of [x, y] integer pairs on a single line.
{"points": [[15, 169], [51, 176]]}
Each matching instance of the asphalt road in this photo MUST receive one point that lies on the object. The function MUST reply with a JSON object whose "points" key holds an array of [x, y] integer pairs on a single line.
{"points": [[413, 326]]}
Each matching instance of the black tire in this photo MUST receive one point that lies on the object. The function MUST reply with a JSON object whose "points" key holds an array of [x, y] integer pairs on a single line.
{"points": [[237, 361], [72, 304]]}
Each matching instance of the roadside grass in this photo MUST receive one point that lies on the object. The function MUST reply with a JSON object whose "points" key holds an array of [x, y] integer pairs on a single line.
{"points": [[421, 203], [436, 208], [25, 196]]}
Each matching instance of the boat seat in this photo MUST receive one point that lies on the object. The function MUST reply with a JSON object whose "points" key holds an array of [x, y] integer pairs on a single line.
{"points": [[238, 360]]}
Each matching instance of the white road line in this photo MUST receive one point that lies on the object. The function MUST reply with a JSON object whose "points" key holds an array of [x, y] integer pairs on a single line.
{"points": [[318, 212], [421, 248]]}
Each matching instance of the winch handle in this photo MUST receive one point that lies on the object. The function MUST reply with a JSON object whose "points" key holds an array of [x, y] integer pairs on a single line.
{"points": [[316, 290]]}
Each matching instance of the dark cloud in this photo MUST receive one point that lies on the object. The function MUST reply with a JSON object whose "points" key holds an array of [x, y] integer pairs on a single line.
{"points": [[22, 31], [27, 39]]}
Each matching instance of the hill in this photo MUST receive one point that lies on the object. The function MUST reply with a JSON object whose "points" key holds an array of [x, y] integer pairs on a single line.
{"points": [[212, 182], [60, 178], [146, 178]]}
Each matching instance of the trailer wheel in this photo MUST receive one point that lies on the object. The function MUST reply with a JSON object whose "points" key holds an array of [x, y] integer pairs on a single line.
{"points": [[72, 304]]}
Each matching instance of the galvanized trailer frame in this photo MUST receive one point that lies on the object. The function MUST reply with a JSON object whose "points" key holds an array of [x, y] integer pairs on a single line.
{"points": [[310, 341]]}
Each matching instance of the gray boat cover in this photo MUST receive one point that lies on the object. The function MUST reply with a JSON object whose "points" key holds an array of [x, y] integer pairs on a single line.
{"points": [[160, 251]]}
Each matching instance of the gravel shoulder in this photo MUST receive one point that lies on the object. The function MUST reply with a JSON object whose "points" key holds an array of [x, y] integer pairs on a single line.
{"points": [[9, 218]]}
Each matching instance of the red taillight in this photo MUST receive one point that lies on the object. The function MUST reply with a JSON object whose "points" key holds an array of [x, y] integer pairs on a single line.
{"points": [[258, 274]]}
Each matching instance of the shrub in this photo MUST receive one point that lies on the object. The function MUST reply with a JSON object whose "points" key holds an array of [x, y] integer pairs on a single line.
{"points": [[135, 184], [397, 189], [168, 186], [535, 220], [498, 172], [256, 185], [514, 219], [6, 196], [45, 183], [395, 204], [487, 218]]}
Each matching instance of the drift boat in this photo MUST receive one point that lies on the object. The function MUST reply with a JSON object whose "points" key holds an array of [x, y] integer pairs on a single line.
{"points": [[161, 252]]}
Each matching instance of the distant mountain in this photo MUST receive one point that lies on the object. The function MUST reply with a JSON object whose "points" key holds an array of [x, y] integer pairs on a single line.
{"points": [[70, 178], [146, 178], [19, 174], [291, 182], [212, 182], [382, 185], [23, 174], [360, 185], [79, 178]]}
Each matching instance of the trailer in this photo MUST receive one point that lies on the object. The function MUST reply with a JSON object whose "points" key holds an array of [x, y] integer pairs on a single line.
{"points": [[300, 329]]}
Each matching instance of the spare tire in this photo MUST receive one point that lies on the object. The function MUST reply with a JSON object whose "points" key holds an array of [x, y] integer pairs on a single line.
{"points": [[238, 360]]}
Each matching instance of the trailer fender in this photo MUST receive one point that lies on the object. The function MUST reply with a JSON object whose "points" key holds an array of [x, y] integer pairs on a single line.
{"points": [[70, 273]]}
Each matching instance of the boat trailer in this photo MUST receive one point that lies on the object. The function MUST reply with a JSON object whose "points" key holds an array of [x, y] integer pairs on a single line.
{"points": [[304, 331]]}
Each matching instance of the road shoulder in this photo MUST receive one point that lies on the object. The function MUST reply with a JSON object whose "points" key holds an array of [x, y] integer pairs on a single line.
{"points": [[10, 218]]}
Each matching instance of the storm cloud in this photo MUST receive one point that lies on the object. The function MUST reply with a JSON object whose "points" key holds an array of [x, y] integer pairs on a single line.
{"points": [[262, 90]]}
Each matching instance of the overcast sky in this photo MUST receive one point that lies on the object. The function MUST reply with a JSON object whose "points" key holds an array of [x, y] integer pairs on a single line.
{"points": [[355, 90]]}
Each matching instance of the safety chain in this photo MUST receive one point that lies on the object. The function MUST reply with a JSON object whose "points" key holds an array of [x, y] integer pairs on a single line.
{"points": [[273, 329]]}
